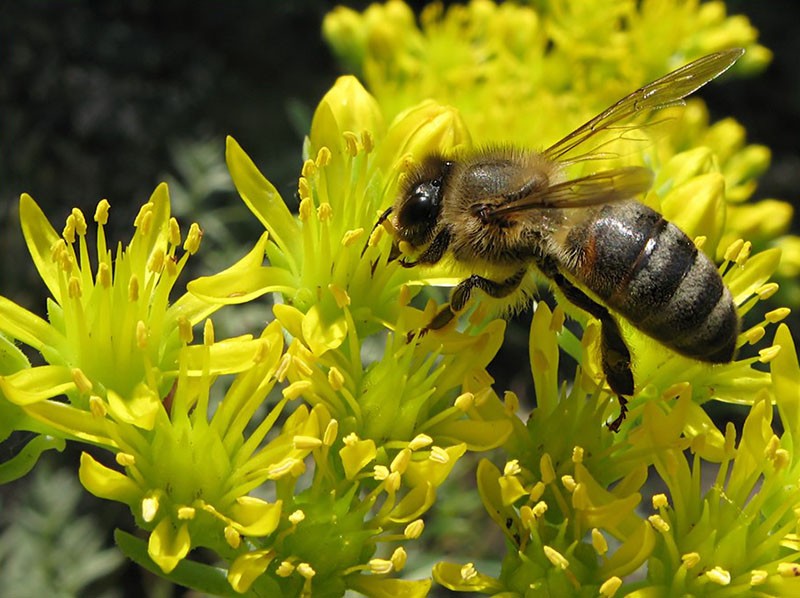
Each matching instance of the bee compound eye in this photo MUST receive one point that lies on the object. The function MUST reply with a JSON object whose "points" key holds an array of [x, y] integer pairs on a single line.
{"points": [[421, 206]]}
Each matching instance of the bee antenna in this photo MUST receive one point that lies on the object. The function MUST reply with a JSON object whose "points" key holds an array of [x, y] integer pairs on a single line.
{"points": [[381, 219]]}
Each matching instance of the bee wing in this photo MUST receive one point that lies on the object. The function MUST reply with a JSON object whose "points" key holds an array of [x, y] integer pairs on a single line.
{"points": [[669, 90], [598, 188]]}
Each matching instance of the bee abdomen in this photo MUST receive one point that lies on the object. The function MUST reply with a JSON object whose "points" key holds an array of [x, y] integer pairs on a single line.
{"points": [[650, 272]]}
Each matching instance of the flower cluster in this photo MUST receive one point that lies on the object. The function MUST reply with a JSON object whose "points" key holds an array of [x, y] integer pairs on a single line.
{"points": [[528, 77], [296, 490], [307, 456]]}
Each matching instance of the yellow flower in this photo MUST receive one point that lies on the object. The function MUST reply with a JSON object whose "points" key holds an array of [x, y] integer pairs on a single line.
{"points": [[318, 261], [398, 414], [112, 340], [557, 65], [740, 531], [527, 77], [187, 480]]}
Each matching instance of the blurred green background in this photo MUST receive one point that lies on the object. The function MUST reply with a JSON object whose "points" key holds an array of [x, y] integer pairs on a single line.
{"points": [[105, 99]]}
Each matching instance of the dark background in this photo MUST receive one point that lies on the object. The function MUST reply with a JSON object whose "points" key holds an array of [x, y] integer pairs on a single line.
{"points": [[103, 98]]}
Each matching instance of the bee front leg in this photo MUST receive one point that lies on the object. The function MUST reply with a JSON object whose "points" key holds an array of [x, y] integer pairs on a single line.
{"points": [[461, 294], [616, 358], [434, 252]]}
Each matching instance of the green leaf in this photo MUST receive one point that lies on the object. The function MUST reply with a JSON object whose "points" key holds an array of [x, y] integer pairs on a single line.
{"points": [[190, 574], [24, 461]]}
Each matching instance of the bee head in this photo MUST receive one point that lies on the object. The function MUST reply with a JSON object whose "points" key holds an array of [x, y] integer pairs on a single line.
{"points": [[416, 211]]}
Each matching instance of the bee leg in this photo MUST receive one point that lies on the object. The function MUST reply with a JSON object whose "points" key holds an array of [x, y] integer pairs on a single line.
{"points": [[616, 357], [461, 294], [434, 252]]}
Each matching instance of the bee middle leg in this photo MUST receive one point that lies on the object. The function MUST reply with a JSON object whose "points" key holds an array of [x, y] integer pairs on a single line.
{"points": [[616, 358], [461, 294]]}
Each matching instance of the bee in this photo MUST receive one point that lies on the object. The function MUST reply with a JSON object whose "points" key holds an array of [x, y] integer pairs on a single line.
{"points": [[501, 212]]}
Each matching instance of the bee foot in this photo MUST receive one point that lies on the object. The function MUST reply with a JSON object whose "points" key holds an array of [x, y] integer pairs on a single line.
{"points": [[623, 412], [416, 334]]}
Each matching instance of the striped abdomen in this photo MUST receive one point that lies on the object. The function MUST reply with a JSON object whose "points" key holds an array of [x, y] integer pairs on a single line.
{"points": [[650, 272]]}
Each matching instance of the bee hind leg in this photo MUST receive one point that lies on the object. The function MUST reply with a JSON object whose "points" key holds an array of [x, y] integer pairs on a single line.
{"points": [[616, 358], [461, 294]]}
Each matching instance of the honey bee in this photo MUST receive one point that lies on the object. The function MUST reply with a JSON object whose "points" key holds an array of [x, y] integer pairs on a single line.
{"points": [[501, 212]]}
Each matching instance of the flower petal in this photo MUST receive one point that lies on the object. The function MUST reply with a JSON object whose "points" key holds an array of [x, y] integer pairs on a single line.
{"points": [[107, 483], [633, 552], [698, 207], [346, 107], [73, 422], [245, 280], [255, 517], [434, 471], [139, 409], [17, 322], [381, 587], [263, 199], [226, 357], [248, 567], [40, 237], [453, 577], [478, 435], [168, 545], [357, 455], [37, 384], [786, 382], [414, 504], [322, 332], [743, 281]]}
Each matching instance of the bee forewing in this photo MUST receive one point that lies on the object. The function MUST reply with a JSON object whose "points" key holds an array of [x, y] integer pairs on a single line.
{"points": [[669, 90], [598, 188]]}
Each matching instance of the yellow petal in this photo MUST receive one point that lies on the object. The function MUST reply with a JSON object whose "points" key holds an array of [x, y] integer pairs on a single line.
{"points": [[290, 318], [422, 130], [37, 384], [40, 237], [192, 308], [786, 381], [263, 200], [168, 545], [414, 504], [346, 107], [477, 435], [511, 489], [154, 237], [357, 455], [74, 422], [687, 165], [107, 483], [381, 587], [769, 219], [451, 576], [489, 489], [698, 207], [321, 331], [544, 355], [245, 280], [248, 567], [631, 554], [434, 471], [255, 517], [139, 409], [226, 357], [22, 325], [743, 281]]}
